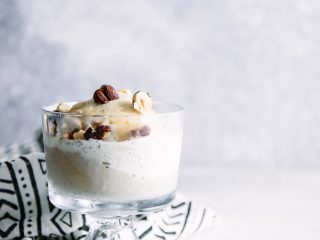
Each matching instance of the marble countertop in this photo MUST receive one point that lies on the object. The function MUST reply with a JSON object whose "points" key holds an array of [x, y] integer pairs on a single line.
{"points": [[256, 203]]}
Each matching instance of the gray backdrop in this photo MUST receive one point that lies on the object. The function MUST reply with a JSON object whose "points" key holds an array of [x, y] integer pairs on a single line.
{"points": [[247, 72]]}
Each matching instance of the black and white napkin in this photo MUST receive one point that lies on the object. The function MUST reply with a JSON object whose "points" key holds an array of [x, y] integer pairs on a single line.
{"points": [[27, 213]]}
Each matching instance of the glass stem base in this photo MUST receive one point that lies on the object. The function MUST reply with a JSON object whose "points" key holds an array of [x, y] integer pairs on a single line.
{"points": [[113, 228]]}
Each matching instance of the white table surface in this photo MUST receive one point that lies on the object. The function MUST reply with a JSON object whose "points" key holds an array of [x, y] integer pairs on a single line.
{"points": [[256, 203]]}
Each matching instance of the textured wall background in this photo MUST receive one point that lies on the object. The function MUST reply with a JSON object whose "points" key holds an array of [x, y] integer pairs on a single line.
{"points": [[246, 71]]}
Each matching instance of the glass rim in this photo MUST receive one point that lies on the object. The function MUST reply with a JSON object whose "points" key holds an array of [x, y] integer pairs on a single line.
{"points": [[178, 109]]}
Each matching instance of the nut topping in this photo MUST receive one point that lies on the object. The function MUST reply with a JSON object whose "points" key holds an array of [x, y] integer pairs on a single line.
{"points": [[70, 134], [87, 133], [134, 133], [78, 135], [144, 131], [100, 132], [62, 107], [142, 102], [99, 97], [109, 92], [104, 94]]}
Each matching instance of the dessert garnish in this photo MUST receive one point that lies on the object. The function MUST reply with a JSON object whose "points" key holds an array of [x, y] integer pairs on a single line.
{"points": [[78, 135], [111, 107], [62, 107], [144, 131], [142, 102], [100, 132], [104, 94]]}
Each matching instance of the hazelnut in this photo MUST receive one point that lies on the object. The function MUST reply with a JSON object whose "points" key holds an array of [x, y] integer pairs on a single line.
{"points": [[79, 135], [104, 94], [63, 107], [99, 97], [144, 131], [87, 133], [142, 102], [99, 133], [134, 133], [109, 92]]}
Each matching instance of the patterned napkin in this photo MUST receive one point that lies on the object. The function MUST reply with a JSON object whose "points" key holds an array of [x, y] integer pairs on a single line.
{"points": [[26, 212]]}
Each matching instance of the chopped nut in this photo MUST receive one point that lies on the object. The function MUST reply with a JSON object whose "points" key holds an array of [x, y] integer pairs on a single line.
{"points": [[134, 133], [109, 92], [66, 136], [87, 133], [100, 132], [62, 107], [79, 135], [142, 102], [104, 94], [144, 131], [70, 134], [99, 97], [103, 128]]}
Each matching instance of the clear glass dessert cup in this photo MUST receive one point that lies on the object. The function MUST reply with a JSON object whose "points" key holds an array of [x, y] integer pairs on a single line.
{"points": [[128, 168]]}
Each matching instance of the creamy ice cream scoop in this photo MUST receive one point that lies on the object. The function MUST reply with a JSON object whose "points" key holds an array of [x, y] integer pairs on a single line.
{"points": [[121, 106], [117, 109], [122, 103]]}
